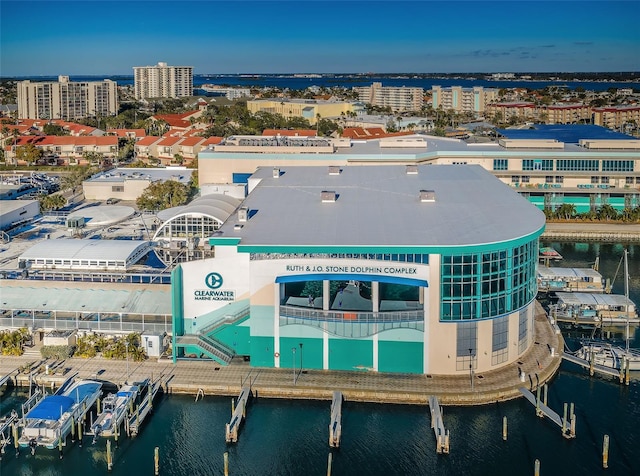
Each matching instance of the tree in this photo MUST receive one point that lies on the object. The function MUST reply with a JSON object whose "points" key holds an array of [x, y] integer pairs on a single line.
{"points": [[52, 202], [54, 130], [566, 211], [28, 153], [162, 195]]}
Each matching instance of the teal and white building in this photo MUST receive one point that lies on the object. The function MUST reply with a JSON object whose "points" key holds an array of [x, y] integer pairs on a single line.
{"points": [[422, 269]]}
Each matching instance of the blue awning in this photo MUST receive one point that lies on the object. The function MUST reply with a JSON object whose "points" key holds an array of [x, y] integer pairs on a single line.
{"points": [[51, 408]]}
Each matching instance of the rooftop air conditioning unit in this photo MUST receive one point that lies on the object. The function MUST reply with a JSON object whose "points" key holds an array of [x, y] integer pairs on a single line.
{"points": [[327, 196], [243, 214], [276, 172], [427, 196]]}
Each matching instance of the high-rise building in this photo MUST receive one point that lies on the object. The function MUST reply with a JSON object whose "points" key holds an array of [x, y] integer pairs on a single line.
{"points": [[461, 99], [163, 81], [66, 99], [400, 98]]}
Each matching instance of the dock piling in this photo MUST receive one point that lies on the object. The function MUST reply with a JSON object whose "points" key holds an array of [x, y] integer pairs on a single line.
{"points": [[504, 428], [605, 452], [14, 431], [109, 459], [536, 468], [156, 460], [329, 462], [80, 433], [226, 463]]}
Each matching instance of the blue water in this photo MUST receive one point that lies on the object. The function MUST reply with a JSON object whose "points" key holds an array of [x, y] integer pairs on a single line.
{"points": [[291, 437], [280, 81]]}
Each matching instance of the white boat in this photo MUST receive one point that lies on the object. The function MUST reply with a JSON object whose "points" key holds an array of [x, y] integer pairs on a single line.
{"points": [[614, 356], [49, 422], [609, 355], [114, 410]]}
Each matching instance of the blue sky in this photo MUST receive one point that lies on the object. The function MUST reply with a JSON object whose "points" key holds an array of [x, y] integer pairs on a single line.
{"points": [[237, 36]]}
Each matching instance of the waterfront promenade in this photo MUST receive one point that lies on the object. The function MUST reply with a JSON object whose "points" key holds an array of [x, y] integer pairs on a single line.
{"points": [[589, 231], [187, 377]]}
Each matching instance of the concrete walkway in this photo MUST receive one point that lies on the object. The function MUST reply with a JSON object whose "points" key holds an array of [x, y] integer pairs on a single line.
{"points": [[186, 377]]}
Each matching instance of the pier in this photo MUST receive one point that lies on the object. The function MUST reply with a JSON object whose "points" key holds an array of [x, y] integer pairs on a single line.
{"points": [[442, 435], [335, 427], [237, 415], [568, 426], [134, 422], [622, 374], [7, 424]]}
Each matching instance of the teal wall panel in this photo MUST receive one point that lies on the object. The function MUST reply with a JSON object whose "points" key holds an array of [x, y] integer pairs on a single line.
{"points": [[238, 337], [347, 354], [404, 357], [262, 351], [311, 353]]}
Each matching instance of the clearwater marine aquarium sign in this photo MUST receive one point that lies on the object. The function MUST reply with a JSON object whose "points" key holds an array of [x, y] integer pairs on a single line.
{"points": [[214, 283]]}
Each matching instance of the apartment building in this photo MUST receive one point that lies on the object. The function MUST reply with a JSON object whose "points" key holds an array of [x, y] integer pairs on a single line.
{"points": [[398, 98], [163, 81], [66, 150], [65, 99], [310, 109], [521, 111], [615, 117], [461, 99], [565, 113]]}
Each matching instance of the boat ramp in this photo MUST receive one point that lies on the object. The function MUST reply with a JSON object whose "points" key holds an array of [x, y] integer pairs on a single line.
{"points": [[134, 422], [238, 413]]}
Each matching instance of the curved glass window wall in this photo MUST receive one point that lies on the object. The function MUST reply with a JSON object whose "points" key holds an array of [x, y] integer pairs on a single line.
{"points": [[488, 284]]}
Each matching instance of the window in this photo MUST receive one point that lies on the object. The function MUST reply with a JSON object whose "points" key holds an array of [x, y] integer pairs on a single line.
{"points": [[117, 188], [628, 180], [526, 179], [579, 165], [500, 351], [548, 179], [604, 180], [617, 165], [515, 178], [559, 179], [500, 164], [595, 179], [466, 345], [537, 164]]}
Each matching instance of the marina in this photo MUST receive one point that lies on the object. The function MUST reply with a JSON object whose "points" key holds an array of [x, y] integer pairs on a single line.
{"points": [[115, 408], [556, 279], [51, 420]]}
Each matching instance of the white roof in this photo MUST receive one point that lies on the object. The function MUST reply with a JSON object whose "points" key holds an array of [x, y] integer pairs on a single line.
{"points": [[215, 206], [568, 273], [588, 299], [64, 248], [382, 206]]}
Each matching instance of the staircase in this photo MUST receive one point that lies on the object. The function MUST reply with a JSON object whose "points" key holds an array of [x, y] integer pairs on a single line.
{"points": [[214, 349]]}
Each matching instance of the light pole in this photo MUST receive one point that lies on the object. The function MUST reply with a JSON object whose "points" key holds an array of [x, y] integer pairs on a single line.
{"points": [[471, 368], [300, 358], [293, 363], [126, 349]]}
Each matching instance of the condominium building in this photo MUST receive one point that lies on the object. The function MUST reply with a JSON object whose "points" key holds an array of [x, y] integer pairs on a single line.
{"points": [[461, 99], [163, 81], [310, 109], [398, 98], [64, 99], [616, 117]]}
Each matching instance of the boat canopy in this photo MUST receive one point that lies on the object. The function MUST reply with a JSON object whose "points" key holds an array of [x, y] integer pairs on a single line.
{"points": [[597, 300], [573, 274], [51, 408]]}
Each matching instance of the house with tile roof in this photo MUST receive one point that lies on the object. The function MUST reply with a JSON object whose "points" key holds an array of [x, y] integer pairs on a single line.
{"points": [[147, 147], [65, 150]]}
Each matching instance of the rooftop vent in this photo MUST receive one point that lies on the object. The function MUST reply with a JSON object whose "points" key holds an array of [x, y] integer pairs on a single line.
{"points": [[242, 214], [238, 226], [276, 172], [412, 170], [427, 196], [327, 196], [334, 170]]}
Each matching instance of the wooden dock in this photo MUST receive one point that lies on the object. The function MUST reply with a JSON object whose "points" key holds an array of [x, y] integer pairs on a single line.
{"points": [[622, 375], [442, 435], [335, 427], [238, 414], [134, 422], [7, 424], [568, 426]]}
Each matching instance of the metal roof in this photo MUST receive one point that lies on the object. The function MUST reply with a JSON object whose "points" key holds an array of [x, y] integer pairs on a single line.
{"points": [[568, 273], [599, 300], [568, 133], [64, 248], [382, 206], [72, 297], [215, 206]]}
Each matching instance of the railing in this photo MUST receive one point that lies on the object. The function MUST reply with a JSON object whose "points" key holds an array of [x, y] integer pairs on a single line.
{"points": [[352, 324], [215, 348], [133, 278], [228, 319], [96, 326], [366, 317]]}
